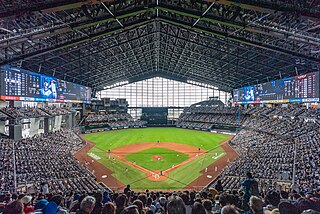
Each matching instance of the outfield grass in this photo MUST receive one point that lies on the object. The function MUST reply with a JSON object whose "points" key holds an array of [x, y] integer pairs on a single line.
{"points": [[145, 158], [179, 178], [114, 139]]}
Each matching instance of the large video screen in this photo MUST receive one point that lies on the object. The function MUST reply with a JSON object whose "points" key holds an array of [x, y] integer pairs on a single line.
{"points": [[20, 84], [155, 115], [302, 88]]}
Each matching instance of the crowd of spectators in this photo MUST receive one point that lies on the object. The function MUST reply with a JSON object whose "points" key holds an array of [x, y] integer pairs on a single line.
{"points": [[277, 145], [24, 112], [113, 120], [6, 164], [308, 160], [294, 117], [276, 155], [31, 112], [55, 111], [45, 158], [196, 116], [298, 129], [211, 201], [196, 120]]}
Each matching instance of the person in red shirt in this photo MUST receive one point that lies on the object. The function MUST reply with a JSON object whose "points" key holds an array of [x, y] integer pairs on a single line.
{"points": [[26, 200]]}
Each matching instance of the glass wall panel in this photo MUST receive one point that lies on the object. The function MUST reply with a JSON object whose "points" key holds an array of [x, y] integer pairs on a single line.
{"points": [[161, 92]]}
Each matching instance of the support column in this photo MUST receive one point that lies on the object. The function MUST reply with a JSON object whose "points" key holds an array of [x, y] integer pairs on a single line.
{"points": [[46, 125], [14, 167]]}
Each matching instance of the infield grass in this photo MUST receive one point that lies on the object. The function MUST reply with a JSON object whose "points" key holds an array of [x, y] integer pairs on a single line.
{"points": [[179, 178], [168, 158]]}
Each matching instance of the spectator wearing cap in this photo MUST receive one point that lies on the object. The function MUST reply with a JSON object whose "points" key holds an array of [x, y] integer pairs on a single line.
{"points": [[14, 197], [106, 197], [26, 201], [51, 208], [40, 205], [75, 201]]}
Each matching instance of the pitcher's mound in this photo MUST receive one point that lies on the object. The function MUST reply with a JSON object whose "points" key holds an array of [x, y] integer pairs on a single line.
{"points": [[157, 157]]}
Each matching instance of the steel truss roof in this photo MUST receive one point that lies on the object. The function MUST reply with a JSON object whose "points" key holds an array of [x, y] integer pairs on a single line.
{"points": [[225, 43]]}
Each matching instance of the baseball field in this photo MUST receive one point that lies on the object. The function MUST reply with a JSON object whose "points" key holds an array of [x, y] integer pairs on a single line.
{"points": [[155, 158]]}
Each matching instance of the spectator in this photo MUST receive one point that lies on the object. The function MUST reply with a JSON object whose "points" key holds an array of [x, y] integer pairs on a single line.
{"points": [[121, 202], [256, 205], [26, 201], [218, 186], [51, 208], [250, 187], [58, 200], [127, 189], [98, 206], [176, 206], [108, 208], [272, 200], [207, 204], [229, 209], [139, 205], [106, 197], [198, 208], [14, 207], [130, 210], [287, 207], [87, 205]]}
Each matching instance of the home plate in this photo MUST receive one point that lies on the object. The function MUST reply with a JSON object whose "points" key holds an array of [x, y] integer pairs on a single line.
{"points": [[104, 176], [209, 176]]}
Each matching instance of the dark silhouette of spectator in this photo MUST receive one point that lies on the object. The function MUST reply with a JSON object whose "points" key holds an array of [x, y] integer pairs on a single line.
{"points": [[127, 189], [175, 205], [218, 186], [108, 208], [15, 207], [197, 208]]}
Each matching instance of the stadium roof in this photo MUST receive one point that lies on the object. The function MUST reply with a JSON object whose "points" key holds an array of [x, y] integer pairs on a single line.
{"points": [[225, 43]]}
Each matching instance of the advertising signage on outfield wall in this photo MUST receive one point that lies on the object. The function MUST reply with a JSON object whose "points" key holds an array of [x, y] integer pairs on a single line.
{"points": [[23, 85], [302, 88]]}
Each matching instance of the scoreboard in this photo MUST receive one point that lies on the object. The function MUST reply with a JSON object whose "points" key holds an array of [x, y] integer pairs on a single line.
{"points": [[20, 84], [302, 88]]}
